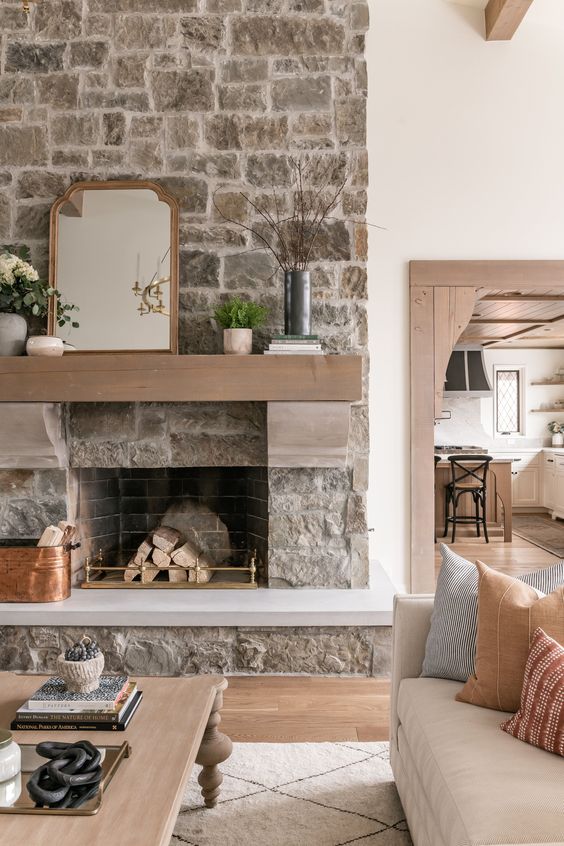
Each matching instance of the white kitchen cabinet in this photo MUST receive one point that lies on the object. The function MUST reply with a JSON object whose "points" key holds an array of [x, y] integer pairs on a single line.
{"points": [[549, 481], [558, 500], [526, 487], [526, 475]]}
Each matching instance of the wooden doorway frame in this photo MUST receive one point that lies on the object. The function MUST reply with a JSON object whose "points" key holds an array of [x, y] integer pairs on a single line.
{"points": [[428, 304]]}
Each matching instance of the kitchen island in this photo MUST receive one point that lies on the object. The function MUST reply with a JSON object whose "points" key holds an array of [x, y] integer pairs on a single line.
{"points": [[499, 502]]}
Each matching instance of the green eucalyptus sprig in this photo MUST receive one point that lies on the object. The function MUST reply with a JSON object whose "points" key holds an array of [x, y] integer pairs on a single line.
{"points": [[240, 314], [23, 292]]}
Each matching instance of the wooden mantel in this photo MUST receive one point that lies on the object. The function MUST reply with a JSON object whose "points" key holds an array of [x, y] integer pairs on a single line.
{"points": [[183, 378]]}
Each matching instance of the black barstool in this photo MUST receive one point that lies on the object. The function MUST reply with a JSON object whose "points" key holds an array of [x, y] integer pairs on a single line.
{"points": [[469, 475]]}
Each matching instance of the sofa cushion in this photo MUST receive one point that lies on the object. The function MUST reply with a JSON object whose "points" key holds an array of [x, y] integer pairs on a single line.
{"points": [[508, 614], [540, 719], [451, 645], [484, 789]]}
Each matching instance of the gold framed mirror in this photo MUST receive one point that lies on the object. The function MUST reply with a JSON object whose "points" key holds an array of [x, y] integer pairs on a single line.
{"points": [[113, 253]]}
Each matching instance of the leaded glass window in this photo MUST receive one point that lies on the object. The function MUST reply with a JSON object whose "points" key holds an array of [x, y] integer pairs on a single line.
{"points": [[508, 402]]}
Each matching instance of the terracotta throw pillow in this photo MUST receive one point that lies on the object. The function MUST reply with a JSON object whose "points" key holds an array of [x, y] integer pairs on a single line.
{"points": [[540, 719], [509, 612]]}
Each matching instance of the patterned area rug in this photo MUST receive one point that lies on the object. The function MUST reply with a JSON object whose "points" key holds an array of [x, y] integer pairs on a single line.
{"points": [[298, 794], [541, 530]]}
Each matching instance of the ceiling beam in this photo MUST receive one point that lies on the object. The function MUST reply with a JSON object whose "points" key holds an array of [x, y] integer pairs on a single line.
{"points": [[525, 298], [496, 321], [503, 18]]}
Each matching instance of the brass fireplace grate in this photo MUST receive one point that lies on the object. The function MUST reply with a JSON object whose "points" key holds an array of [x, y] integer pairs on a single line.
{"points": [[229, 576]]}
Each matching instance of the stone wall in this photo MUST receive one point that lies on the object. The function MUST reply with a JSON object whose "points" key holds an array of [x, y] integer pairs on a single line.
{"points": [[30, 500], [362, 650], [206, 97]]}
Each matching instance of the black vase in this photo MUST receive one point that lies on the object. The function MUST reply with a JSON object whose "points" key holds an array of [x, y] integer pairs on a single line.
{"points": [[297, 302]]}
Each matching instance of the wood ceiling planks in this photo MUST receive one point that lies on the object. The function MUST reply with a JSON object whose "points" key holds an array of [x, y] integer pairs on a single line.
{"points": [[518, 319]]}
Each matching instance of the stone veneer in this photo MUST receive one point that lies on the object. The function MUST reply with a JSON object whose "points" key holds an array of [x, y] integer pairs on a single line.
{"points": [[362, 650], [204, 96], [207, 97]]}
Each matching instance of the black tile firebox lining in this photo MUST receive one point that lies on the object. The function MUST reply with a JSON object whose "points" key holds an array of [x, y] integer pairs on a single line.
{"points": [[118, 506]]}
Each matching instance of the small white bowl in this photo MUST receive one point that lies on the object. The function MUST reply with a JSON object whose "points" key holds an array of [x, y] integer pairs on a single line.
{"points": [[47, 345]]}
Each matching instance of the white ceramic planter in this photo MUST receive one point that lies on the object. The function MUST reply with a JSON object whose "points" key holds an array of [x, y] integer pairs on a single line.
{"points": [[81, 676], [46, 345], [13, 332], [237, 341], [558, 439]]}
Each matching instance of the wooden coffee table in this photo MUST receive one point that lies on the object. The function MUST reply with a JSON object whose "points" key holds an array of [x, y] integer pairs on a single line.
{"points": [[175, 726]]}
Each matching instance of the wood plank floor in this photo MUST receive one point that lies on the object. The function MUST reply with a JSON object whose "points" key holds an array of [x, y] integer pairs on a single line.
{"points": [[287, 709], [519, 556]]}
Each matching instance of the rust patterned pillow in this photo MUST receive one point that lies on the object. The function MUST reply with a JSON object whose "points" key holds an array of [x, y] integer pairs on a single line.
{"points": [[540, 719]]}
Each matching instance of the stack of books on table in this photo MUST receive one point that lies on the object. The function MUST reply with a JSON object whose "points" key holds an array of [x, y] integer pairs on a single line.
{"points": [[109, 708], [294, 345]]}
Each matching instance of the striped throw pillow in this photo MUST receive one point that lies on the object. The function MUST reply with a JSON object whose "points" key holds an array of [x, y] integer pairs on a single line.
{"points": [[540, 719], [451, 645]]}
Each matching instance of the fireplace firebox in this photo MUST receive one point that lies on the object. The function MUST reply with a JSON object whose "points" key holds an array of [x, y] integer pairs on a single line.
{"points": [[220, 511]]}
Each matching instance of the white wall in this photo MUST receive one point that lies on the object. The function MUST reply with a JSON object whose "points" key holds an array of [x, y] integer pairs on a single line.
{"points": [[466, 142]]}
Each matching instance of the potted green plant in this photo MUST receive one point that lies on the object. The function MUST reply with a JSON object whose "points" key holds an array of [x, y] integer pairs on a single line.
{"points": [[557, 430], [238, 318], [24, 296]]}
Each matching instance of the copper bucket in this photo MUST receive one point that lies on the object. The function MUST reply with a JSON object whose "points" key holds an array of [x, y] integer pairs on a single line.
{"points": [[34, 574]]}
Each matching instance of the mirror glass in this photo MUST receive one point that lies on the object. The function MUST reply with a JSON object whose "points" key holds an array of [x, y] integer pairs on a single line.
{"points": [[114, 258]]}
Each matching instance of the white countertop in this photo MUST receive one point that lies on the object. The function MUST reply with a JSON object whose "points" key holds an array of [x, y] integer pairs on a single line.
{"points": [[262, 607]]}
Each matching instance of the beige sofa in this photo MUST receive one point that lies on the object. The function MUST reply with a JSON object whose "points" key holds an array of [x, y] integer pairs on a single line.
{"points": [[462, 781]]}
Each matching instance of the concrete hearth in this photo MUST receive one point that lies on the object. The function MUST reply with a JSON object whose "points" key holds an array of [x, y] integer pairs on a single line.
{"points": [[330, 632]]}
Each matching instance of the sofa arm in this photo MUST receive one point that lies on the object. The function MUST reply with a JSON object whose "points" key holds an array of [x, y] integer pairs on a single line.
{"points": [[411, 624]]}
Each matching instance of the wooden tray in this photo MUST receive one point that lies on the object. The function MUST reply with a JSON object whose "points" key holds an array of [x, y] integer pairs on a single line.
{"points": [[112, 756]]}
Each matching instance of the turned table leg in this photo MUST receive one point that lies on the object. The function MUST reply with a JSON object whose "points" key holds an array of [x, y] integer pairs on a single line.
{"points": [[215, 748]]}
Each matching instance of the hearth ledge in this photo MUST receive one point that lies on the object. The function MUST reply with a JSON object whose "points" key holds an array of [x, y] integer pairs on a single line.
{"points": [[262, 607]]}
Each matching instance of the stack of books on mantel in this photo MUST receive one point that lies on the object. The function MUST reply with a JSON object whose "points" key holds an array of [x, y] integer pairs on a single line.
{"points": [[295, 345], [109, 708]]}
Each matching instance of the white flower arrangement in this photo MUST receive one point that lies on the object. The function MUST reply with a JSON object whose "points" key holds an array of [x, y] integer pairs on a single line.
{"points": [[23, 292], [555, 427], [13, 268]]}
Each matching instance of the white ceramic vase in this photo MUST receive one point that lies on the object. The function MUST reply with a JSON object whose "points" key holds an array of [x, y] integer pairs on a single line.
{"points": [[13, 332], [558, 439], [47, 345], [237, 341]]}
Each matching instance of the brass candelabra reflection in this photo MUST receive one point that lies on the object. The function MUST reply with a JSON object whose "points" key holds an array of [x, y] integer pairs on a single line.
{"points": [[152, 294]]}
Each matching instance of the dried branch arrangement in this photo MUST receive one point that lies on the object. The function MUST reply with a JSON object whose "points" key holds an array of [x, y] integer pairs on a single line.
{"points": [[289, 230]]}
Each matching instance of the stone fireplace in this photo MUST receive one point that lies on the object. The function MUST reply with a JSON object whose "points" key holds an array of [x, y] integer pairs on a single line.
{"points": [[208, 99], [128, 463]]}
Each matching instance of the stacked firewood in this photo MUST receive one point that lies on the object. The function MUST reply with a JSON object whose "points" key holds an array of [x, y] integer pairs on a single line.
{"points": [[167, 551]]}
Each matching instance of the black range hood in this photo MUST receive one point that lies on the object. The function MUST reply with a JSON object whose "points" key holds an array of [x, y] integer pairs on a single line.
{"points": [[466, 373]]}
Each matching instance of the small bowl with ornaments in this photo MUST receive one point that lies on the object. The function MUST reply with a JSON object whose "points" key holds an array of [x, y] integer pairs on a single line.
{"points": [[81, 665]]}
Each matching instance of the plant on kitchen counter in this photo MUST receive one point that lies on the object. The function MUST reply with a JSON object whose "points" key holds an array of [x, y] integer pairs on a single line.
{"points": [[557, 430], [238, 318]]}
